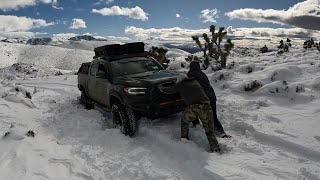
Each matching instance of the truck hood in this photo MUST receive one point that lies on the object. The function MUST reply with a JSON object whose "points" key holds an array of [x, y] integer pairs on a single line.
{"points": [[147, 78]]}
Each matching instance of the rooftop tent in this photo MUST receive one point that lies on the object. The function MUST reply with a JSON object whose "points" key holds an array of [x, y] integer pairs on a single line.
{"points": [[117, 49]]}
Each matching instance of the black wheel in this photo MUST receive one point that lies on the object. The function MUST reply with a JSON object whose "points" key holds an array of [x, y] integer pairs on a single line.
{"points": [[84, 101], [124, 118], [133, 122], [119, 118]]}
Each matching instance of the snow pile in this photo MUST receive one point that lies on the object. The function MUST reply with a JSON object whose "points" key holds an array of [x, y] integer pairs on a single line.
{"points": [[16, 94], [286, 73], [23, 70]]}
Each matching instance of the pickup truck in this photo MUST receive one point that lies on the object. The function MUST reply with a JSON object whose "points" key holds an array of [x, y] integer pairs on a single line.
{"points": [[125, 80]]}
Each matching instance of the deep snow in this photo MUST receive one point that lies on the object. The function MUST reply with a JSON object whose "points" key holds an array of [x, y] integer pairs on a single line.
{"points": [[275, 128]]}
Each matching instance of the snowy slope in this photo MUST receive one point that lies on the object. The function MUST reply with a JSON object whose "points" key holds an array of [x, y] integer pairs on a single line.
{"points": [[43, 56], [275, 127]]}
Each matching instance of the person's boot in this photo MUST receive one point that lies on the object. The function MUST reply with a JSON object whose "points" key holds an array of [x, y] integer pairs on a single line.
{"points": [[186, 136], [216, 150]]}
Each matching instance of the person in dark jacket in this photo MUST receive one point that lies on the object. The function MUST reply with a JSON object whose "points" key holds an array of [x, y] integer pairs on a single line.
{"points": [[196, 73], [198, 106]]}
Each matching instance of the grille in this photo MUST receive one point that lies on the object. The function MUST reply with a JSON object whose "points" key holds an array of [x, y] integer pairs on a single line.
{"points": [[159, 96]]}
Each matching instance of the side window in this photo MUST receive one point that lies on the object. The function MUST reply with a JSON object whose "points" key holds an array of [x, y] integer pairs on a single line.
{"points": [[94, 69], [85, 69], [102, 72], [101, 68]]}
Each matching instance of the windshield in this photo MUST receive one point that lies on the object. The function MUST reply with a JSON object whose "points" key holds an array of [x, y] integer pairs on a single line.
{"points": [[134, 66]]}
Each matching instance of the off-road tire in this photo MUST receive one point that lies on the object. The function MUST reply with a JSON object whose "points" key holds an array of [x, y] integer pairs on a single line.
{"points": [[134, 122], [124, 118], [85, 101], [119, 118]]}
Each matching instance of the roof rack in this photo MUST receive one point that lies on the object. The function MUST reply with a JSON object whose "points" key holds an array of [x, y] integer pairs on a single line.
{"points": [[117, 51]]}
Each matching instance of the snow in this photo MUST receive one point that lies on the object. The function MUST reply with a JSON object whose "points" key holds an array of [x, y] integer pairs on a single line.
{"points": [[275, 126]]}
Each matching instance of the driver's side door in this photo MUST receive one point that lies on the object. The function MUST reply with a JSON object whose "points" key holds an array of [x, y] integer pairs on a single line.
{"points": [[102, 84]]}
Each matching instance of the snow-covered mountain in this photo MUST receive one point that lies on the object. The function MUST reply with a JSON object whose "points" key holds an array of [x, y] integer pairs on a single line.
{"points": [[39, 41], [87, 38], [268, 103]]}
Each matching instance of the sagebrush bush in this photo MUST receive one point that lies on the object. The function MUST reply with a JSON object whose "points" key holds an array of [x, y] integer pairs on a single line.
{"points": [[264, 49], [284, 46], [309, 44], [212, 46], [253, 85]]}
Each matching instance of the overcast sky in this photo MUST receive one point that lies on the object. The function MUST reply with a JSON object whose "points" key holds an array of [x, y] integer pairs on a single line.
{"points": [[158, 19]]}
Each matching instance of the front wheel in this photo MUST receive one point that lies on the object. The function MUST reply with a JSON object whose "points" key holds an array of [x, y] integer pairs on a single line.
{"points": [[125, 118]]}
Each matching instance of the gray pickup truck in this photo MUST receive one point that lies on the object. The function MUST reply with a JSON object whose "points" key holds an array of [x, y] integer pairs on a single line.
{"points": [[124, 79]]}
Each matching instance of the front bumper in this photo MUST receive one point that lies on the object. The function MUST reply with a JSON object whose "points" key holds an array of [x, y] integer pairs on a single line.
{"points": [[155, 109]]}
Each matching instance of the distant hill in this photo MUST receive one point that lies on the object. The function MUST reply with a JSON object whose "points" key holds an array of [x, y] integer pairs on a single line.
{"points": [[39, 41], [14, 40], [86, 37], [185, 47]]}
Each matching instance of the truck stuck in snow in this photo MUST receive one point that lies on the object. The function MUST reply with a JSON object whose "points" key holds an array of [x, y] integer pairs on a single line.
{"points": [[125, 80]]}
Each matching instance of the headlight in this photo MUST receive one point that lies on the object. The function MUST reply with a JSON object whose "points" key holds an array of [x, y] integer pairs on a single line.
{"points": [[135, 90]]}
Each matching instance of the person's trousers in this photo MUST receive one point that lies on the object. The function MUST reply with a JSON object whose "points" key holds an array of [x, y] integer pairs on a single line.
{"points": [[205, 114], [217, 125]]}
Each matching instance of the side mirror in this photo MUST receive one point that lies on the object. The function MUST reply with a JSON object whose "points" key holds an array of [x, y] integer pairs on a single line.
{"points": [[165, 65]]}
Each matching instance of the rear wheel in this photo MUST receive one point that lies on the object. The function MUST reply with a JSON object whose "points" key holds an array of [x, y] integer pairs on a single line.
{"points": [[125, 119], [85, 101]]}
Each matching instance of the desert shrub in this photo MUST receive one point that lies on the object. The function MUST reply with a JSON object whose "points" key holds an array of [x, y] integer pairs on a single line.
{"points": [[159, 53], [264, 49], [309, 44], [247, 68], [58, 73], [300, 88], [318, 46], [284, 46], [231, 65], [221, 76], [253, 85], [280, 89], [212, 46], [192, 58]]}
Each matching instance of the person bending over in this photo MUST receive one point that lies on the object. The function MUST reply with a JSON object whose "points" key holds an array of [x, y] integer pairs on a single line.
{"points": [[198, 106], [196, 73]]}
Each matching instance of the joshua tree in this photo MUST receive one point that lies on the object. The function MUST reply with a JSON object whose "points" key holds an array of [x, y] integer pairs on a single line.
{"points": [[159, 53], [212, 46]]}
